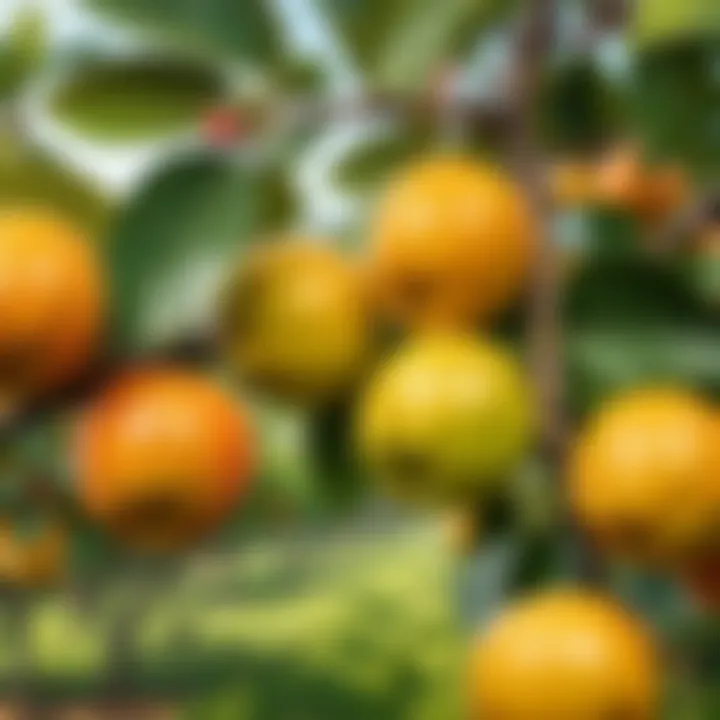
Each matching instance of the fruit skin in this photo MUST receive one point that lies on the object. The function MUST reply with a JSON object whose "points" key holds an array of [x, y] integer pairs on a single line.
{"points": [[625, 181], [644, 476], [34, 562], [296, 322], [453, 243], [52, 303], [163, 458], [447, 416], [566, 654]]}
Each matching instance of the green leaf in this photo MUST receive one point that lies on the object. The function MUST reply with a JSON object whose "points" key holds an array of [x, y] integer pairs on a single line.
{"points": [[632, 322], [660, 21], [400, 43], [704, 277], [578, 108], [676, 104], [30, 177], [244, 29], [338, 475], [22, 50], [370, 162], [133, 99], [174, 240]]}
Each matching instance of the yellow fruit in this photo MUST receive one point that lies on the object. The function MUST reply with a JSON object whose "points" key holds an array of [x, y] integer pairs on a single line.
{"points": [[297, 323], [644, 476], [452, 244], [447, 416], [163, 458], [51, 304], [565, 655], [32, 562]]}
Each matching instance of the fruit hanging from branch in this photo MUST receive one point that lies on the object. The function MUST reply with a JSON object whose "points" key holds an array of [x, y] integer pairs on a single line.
{"points": [[452, 243], [448, 417], [565, 654], [51, 304], [644, 477], [296, 322], [164, 457]]}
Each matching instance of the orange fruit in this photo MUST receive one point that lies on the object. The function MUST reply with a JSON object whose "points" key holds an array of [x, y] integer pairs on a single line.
{"points": [[296, 322], [51, 304], [163, 458], [565, 654], [453, 242], [447, 417], [621, 181], [668, 189], [36, 561], [644, 476]]}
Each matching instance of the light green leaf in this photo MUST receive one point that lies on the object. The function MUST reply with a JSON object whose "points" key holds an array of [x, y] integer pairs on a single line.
{"points": [[660, 21], [138, 98], [400, 43], [30, 177], [244, 29], [174, 240], [22, 50]]}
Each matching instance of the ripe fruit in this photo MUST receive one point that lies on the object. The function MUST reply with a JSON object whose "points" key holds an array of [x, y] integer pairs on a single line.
{"points": [[625, 181], [621, 180], [565, 655], [446, 417], [296, 322], [644, 477], [51, 304], [164, 456], [453, 243], [35, 561]]}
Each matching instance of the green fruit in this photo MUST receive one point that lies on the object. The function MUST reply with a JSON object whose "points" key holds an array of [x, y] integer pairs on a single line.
{"points": [[447, 417]]}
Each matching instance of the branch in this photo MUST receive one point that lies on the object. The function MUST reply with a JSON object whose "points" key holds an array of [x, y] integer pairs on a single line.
{"points": [[544, 332], [689, 222]]}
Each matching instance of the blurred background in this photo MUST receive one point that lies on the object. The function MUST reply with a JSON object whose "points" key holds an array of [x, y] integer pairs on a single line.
{"points": [[177, 132]]}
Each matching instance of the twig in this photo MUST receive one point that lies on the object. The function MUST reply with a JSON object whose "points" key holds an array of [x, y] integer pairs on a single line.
{"points": [[687, 224], [545, 337]]}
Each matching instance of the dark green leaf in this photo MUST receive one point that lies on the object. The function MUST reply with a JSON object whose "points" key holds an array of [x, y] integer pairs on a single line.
{"points": [[244, 29], [676, 103], [139, 98], [578, 109], [337, 464], [634, 321], [173, 243]]}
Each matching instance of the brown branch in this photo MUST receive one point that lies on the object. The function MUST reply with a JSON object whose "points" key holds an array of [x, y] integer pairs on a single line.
{"points": [[544, 332]]}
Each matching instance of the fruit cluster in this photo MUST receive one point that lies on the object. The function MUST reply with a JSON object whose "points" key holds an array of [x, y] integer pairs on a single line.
{"points": [[163, 454]]}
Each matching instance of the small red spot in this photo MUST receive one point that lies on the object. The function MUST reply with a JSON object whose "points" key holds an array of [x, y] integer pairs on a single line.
{"points": [[224, 127]]}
